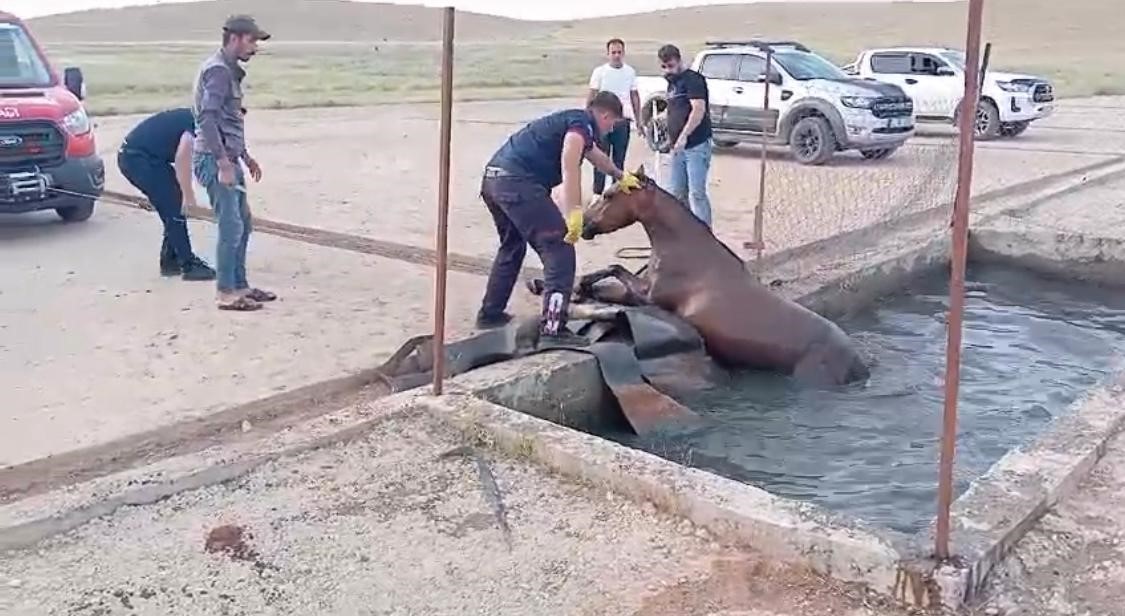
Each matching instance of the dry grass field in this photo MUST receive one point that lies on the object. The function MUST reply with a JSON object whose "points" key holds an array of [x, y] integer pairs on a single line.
{"points": [[330, 52]]}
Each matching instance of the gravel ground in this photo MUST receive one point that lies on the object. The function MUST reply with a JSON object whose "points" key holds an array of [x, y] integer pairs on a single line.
{"points": [[384, 525]]}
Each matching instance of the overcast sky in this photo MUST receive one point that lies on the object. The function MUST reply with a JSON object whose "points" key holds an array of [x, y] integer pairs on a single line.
{"points": [[527, 9]]}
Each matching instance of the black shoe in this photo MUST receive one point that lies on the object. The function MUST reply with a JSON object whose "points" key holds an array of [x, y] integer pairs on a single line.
{"points": [[563, 339], [168, 264], [197, 270], [486, 321], [170, 268]]}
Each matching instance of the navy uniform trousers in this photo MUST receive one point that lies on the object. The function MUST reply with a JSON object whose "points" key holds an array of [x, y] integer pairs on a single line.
{"points": [[524, 214], [156, 179]]}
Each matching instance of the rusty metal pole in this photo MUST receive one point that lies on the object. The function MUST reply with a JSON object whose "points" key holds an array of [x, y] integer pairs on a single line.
{"points": [[957, 276], [759, 241], [442, 272]]}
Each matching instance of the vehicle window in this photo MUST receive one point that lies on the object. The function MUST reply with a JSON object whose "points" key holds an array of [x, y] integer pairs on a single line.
{"points": [[720, 66], [20, 64], [890, 63], [751, 67], [924, 64], [956, 58], [802, 65]]}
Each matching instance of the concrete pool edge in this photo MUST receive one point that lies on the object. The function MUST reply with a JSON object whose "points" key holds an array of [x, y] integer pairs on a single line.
{"points": [[1001, 505], [734, 512]]}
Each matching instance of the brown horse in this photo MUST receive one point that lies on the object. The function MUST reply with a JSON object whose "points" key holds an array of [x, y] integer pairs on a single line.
{"points": [[695, 276]]}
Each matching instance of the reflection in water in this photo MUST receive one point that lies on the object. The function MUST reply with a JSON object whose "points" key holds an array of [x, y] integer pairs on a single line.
{"points": [[1031, 347]]}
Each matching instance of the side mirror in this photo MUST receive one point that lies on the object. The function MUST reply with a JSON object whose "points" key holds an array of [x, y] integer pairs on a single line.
{"points": [[73, 80], [944, 71], [775, 78]]}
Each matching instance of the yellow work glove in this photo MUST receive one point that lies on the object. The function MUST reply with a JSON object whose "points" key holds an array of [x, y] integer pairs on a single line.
{"points": [[628, 182], [573, 226]]}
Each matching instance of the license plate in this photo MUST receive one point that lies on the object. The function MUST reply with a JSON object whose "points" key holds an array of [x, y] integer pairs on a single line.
{"points": [[901, 122]]}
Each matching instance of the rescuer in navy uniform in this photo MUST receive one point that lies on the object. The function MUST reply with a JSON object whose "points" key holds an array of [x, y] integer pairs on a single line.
{"points": [[517, 191], [156, 158]]}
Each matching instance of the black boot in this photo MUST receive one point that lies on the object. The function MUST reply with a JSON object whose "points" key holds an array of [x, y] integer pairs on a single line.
{"points": [[197, 269], [492, 321], [168, 264]]}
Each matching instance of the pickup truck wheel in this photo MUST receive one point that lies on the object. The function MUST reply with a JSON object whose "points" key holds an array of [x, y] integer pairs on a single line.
{"points": [[987, 123], [725, 144], [77, 213], [878, 154], [812, 141], [1014, 129]]}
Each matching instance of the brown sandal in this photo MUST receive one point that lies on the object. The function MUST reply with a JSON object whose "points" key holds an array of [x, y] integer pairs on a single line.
{"points": [[242, 304], [259, 295]]}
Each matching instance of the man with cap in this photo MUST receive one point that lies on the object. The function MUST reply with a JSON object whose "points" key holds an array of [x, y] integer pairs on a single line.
{"points": [[156, 159], [516, 189], [219, 154]]}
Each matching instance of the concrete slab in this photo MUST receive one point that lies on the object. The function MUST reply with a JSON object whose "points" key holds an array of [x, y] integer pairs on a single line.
{"points": [[355, 512]]}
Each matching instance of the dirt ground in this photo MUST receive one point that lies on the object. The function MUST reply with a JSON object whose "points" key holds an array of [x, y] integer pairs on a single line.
{"points": [[161, 354], [96, 347]]}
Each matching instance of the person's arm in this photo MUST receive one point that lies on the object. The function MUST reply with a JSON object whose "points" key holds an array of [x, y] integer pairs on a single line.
{"points": [[182, 165], [595, 85], [697, 96], [602, 162], [214, 85], [575, 145]]}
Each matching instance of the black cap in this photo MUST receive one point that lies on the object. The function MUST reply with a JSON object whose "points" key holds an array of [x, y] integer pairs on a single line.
{"points": [[245, 24]]}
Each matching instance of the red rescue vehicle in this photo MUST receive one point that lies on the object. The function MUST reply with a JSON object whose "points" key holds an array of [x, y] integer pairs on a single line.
{"points": [[48, 159]]}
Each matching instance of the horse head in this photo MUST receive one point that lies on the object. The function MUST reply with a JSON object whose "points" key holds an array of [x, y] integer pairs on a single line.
{"points": [[617, 209]]}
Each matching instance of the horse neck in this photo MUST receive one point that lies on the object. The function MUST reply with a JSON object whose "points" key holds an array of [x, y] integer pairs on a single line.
{"points": [[668, 224]]}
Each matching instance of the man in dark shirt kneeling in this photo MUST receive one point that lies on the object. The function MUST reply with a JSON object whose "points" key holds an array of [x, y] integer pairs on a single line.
{"points": [[689, 128], [517, 191], [156, 159]]}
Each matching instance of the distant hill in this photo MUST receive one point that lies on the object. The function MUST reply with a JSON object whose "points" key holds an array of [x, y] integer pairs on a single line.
{"points": [[287, 20], [1078, 42]]}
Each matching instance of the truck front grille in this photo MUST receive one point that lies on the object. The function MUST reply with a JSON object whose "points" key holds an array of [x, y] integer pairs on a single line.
{"points": [[1043, 93], [892, 107], [29, 145]]}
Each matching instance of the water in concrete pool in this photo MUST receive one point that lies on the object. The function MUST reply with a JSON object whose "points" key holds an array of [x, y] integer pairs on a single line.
{"points": [[1031, 347]]}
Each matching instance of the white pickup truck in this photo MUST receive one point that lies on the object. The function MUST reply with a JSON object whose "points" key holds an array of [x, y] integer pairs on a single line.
{"points": [[935, 78], [814, 107]]}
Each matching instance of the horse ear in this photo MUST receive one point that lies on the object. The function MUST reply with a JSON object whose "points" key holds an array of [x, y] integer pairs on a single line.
{"points": [[640, 172]]}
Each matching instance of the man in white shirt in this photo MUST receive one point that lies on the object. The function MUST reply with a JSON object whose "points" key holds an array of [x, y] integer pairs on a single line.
{"points": [[621, 79]]}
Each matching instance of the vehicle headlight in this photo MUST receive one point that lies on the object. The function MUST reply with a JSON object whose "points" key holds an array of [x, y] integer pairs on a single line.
{"points": [[77, 123], [858, 102], [1010, 86]]}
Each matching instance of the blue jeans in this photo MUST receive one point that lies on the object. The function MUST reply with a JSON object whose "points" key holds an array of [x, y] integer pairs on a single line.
{"points": [[615, 144], [232, 214], [688, 179]]}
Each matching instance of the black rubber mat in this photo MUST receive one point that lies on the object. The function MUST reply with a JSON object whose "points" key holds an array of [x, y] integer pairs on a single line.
{"points": [[632, 346]]}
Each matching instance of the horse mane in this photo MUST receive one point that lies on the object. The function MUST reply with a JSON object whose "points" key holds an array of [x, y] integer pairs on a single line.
{"points": [[695, 219]]}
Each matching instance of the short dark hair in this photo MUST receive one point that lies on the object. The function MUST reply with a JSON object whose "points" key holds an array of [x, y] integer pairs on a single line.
{"points": [[668, 53], [607, 101], [614, 41]]}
